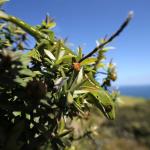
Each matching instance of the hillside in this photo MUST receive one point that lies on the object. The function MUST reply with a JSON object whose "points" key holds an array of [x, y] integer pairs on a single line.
{"points": [[130, 129]]}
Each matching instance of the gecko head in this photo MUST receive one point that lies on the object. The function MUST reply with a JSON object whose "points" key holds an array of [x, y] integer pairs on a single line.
{"points": [[108, 111], [105, 104]]}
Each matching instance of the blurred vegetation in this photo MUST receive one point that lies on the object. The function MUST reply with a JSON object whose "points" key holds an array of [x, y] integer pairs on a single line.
{"points": [[130, 129]]}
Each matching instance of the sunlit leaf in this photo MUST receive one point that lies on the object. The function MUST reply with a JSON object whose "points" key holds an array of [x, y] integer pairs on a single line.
{"points": [[64, 58], [49, 54], [69, 97], [16, 113], [88, 61], [61, 54], [35, 55], [100, 65], [20, 81], [26, 72], [80, 76], [49, 23], [78, 92]]}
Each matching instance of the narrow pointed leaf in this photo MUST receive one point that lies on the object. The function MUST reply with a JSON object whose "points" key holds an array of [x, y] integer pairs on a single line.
{"points": [[80, 76], [69, 98], [49, 54], [88, 61]]}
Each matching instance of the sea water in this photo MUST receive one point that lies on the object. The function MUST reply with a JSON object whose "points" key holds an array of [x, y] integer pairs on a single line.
{"points": [[136, 91]]}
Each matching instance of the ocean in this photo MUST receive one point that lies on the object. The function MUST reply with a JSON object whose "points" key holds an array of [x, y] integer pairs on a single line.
{"points": [[136, 91]]}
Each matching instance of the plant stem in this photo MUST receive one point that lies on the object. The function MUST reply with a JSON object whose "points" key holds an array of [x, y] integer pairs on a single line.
{"points": [[114, 35]]}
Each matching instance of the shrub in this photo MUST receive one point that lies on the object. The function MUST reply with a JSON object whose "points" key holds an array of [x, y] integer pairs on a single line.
{"points": [[44, 88]]}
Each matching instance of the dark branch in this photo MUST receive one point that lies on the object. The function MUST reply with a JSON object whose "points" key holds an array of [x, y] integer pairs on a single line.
{"points": [[125, 23]]}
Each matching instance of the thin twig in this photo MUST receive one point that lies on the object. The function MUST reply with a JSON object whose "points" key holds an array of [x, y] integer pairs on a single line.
{"points": [[124, 24], [82, 136]]}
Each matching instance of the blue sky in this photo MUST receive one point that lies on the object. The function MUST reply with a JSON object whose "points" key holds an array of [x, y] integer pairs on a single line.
{"points": [[85, 21]]}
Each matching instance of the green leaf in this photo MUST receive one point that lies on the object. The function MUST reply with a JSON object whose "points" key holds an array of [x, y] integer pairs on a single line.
{"points": [[61, 54], [79, 53], [50, 34], [105, 49], [37, 73], [78, 92], [35, 55], [80, 76], [48, 60], [64, 133], [77, 81], [26, 72], [16, 113], [91, 79], [61, 125], [1, 26], [78, 105], [64, 58], [20, 81], [100, 65], [88, 88], [49, 23], [103, 101], [88, 61], [28, 116], [69, 98], [49, 54], [52, 25]]}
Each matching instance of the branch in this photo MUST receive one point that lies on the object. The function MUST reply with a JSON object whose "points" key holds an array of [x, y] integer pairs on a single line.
{"points": [[87, 133], [124, 24]]}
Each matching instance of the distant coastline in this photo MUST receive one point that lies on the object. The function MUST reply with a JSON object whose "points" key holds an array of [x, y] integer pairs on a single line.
{"points": [[136, 91]]}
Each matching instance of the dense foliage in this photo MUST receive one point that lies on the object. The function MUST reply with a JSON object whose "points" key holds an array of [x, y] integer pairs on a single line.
{"points": [[44, 88]]}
